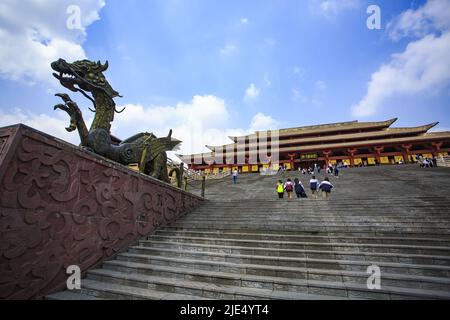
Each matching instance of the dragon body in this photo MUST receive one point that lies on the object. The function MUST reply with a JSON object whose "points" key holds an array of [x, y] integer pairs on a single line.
{"points": [[145, 148]]}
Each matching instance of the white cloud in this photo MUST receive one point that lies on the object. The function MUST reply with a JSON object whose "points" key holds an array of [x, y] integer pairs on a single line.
{"points": [[251, 92], [424, 66], [270, 42], [244, 21], [434, 15], [228, 49], [205, 120], [320, 85], [263, 122], [297, 96], [299, 72], [34, 33], [333, 7], [440, 129], [54, 125], [267, 81]]}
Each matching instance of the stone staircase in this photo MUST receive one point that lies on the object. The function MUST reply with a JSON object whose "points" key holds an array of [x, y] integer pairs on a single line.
{"points": [[246, 244]]}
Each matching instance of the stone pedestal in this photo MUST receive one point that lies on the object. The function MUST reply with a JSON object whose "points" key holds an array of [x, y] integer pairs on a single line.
{"points": [[61, 206]]}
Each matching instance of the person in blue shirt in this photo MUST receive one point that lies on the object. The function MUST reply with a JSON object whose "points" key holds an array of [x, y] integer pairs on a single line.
{"points": [[299, 189], [336, 171]]}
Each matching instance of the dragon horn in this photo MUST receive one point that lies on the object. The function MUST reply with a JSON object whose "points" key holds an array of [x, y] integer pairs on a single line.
{"points": [[103, 67]]}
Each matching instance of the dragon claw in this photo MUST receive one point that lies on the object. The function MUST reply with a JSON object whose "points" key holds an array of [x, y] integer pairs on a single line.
{"points": [[64, 96]]}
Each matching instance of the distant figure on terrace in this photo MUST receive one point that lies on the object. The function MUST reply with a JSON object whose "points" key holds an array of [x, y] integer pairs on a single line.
{"points": [[326, 187], [330, 168], [336, 171], [280, 189], [235, 175], [434, 161]]}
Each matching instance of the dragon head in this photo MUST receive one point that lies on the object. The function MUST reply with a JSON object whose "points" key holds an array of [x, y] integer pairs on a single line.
{"points": [[83, 74]]}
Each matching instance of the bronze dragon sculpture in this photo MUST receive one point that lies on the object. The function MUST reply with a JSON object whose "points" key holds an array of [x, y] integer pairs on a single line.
{"points": [[145, 148]]}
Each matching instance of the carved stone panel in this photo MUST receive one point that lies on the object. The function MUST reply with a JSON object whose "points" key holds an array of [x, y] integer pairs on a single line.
{"points": [[61, 206]]}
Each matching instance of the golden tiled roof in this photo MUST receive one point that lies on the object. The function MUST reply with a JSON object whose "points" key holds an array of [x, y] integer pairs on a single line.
{"points": [[358, 135], [306, 130]]}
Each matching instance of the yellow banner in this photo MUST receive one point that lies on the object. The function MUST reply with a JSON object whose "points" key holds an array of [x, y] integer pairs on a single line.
{"points": [[428, 155], [244, 168], [255, 168], [384, 160], [357, 161], [371, 160], [276, 166], [216, 170], [288, 165], [207, 170]]}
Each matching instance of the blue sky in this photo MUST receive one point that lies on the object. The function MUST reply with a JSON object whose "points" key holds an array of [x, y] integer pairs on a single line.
{"points": [[209, 69]]}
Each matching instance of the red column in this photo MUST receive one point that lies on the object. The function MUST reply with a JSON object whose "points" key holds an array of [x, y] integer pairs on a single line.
{"points": [[327, 154], [378, 151], [351, 153], [437, 147], [291, 160], [406, 152]]}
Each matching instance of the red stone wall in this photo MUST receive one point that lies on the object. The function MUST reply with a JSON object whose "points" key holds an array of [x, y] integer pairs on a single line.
{"points": [[61, 206]]}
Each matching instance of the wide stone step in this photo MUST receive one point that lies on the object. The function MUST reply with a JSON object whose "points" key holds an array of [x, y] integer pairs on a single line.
{"points": [[311, 203], [299, 218], [356, 202], [116, 291], [283, 264], [314, 277], [70, 295], [329, 246], [355, 234], [436, 213], [226, 234], [314, 214], [196, 288], [318, 254], [223, 285], [309, 227], [320, 221]]}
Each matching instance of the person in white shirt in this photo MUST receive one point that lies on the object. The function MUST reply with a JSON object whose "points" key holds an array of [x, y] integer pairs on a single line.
{"points": [[313, 185], [235, 174], [326, 187], [289, 187]]}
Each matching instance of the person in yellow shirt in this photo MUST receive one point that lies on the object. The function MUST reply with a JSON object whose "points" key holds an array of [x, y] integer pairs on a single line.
{"points": [[280, 189]]}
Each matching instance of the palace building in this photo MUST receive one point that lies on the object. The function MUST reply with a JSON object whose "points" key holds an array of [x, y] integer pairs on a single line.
{"points": [[353, 143]]}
